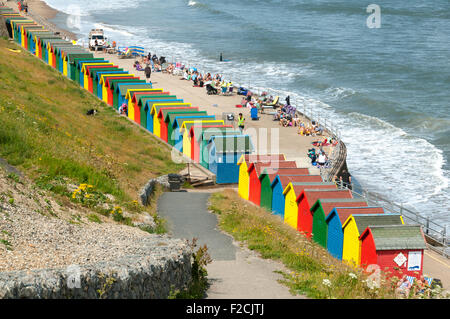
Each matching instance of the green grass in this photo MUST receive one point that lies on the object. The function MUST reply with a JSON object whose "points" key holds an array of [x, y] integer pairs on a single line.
{"points": [[94, 218], [45, 133]]}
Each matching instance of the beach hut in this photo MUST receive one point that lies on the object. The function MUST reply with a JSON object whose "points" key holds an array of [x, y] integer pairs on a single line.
{"points": [[41, 47], [86, 84], [279, 184], [163, 114], [148, 88], [244, 163], [108, 84], [396, 249], [142, 107], [68, 55], [115, 89], [79, 77], [50, 45], [186, 131], [170, 122], [336, 218], [174, 103], [255, 169], [125, 91], [33, 40], [320, 211], [155, 110], [353, 228], [72, 59], [308, 198], [122, 89], [145, 104], [97, 75], [10, 25], [107, 95], [139, 99], [291, 193], [102, 76], [200, 135], [181, 128], [266, 178], [94, 74], [224, 152], [92, 71]]}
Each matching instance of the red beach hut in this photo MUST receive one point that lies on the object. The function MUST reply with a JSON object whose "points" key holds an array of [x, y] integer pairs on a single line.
{"points": [[244, 163], [308, 198], [195, 134], [255, 169], [110, 98], [397, 249]]}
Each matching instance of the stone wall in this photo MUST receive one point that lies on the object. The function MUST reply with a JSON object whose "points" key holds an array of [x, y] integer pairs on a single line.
{"points": [[166, 267], [149, 188]]}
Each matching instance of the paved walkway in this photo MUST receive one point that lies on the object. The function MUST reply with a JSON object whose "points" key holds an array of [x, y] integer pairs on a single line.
{"points": [[236, 272]]}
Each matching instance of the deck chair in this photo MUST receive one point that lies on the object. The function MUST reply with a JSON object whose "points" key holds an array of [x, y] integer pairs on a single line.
{"points": [[274, 103], [411, 279], [125, 53]]}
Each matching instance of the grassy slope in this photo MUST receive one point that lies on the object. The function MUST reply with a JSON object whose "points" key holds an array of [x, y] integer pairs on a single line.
{"points": [[44, 131], [310, 265]]}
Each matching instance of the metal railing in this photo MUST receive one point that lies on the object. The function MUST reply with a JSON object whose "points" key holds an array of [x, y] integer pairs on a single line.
{"points": [[430, 228]]}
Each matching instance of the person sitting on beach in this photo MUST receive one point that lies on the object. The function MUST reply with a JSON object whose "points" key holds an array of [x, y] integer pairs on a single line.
{"points": [[277, 116], [322, 159], [301, 129], [224, 87], [169, 68], [194, 77], [318, 129], [230, 88], [403, 287], [208, 77]]}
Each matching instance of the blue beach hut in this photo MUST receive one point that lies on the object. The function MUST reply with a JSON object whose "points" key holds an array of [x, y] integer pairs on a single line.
{"points": [[148, 108], [98, 75], [336, 219], [79, 65], [224, 152]]}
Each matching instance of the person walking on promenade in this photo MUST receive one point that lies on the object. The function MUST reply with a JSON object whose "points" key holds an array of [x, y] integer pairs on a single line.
{"points": [[241, 122], [346, 179], [148, 72]]}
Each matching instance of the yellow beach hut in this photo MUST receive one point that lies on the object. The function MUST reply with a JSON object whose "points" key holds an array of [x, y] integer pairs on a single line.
{"points": [[355, 225], [154, 115], [84, 73], [102, 83], [185, 128], [244, 164], [129, 98]]}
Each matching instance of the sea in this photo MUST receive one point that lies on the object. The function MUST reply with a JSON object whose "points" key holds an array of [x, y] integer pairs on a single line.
{"points": [[377, 72]]}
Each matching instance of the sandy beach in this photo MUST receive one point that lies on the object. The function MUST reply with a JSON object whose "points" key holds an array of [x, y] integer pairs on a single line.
{"points": [[267, 135]]}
